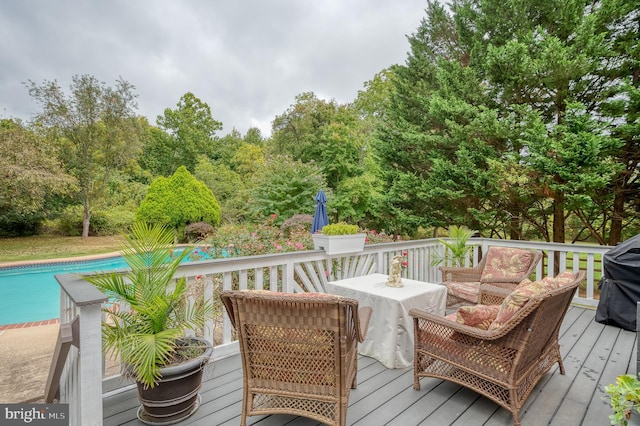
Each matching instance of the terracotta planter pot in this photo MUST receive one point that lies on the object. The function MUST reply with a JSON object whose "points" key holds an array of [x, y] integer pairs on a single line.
{"points": [[175, 397]]}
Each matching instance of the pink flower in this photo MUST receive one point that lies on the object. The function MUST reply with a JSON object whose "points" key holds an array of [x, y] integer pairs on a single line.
{"points": [[273, 216], [299, 246], [326, 273]]}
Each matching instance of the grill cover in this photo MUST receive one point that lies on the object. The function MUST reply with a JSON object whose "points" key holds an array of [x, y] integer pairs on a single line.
{"points": [[620, 285]]}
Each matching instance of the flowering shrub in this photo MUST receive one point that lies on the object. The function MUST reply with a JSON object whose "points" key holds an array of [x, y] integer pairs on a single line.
{"points": [[297, 222], [374, 237], [261, 238], [251, 239]]}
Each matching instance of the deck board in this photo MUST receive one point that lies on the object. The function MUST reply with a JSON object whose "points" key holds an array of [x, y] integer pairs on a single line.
{"points": [[593, 355]]}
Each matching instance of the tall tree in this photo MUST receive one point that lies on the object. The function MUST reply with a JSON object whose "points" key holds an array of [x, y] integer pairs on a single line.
{"points": [[227, 186], [284, 187], [158, 152], [330, 135], [619, 75], [543, 57], [297, 131], [496, 92], [436, 176], [95, 127], [31, 176], [192, 129]]}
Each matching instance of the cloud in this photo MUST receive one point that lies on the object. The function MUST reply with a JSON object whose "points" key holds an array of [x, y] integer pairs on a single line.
{"points": [[246, 59]]}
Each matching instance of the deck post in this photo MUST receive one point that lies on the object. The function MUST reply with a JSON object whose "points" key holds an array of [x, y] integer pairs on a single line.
{"points": [[89, 403], [81, 387]]}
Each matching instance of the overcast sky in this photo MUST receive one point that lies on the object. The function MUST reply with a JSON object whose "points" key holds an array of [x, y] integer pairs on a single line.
{"points": [[246, 59]]}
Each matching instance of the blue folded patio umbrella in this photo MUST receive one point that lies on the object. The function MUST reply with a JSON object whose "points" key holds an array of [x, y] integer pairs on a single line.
{"points": [[320, 218]]}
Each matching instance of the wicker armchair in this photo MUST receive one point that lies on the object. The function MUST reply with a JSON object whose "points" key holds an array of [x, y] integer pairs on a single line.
{"points": [[502, 363], [299, 352], [500, 266]]}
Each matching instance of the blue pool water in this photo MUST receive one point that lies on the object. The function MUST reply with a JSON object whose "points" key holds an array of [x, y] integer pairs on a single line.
{"points": [[31, 293]]}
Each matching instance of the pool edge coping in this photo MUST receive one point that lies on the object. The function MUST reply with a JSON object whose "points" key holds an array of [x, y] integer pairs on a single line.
{"points": [[28, 324], [58, 260]]}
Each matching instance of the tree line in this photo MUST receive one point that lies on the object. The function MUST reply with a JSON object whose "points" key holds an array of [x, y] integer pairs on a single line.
{"points": [[517, 120]]}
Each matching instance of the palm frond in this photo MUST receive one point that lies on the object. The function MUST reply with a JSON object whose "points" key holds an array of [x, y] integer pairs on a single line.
{"points": [[456, 249]]}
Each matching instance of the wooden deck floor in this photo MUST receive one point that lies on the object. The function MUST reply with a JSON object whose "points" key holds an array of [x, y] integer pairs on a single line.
{"points": [[594, 355]]}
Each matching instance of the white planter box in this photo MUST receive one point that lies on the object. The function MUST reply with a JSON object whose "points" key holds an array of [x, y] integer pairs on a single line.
{"points": [[339, 244]]}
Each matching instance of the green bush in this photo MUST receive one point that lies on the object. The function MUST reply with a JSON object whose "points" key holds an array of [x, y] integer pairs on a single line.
{"points": [[115, 221], [340, 228], [69, 223]]}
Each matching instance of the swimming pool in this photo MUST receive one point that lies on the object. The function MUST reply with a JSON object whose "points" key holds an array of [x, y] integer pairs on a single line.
{"points": [[31, 293]]}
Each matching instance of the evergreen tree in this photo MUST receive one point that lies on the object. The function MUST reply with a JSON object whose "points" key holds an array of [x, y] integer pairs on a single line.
{"points": [[179, 200], [495, 120]]}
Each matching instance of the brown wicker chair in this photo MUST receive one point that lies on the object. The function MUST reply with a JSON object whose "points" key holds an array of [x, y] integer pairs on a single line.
{"points": [[503, 364], [299, 352], [507, 268]]}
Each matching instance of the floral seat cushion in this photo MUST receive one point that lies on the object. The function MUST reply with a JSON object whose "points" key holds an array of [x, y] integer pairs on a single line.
{"points": [[479, 316], [506, 262]]}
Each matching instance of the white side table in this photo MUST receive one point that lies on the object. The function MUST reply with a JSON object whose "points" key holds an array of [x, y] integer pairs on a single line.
{"points": [[390, 335]]}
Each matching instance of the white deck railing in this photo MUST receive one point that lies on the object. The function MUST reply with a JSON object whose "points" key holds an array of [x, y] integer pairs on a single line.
{"points": [[81, 382]]}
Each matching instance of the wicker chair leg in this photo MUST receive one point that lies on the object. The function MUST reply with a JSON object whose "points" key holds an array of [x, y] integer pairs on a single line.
{"points": [[354, 382], [515, 411], [243, 417], [516, 419], [416, 378], [560, 364]]}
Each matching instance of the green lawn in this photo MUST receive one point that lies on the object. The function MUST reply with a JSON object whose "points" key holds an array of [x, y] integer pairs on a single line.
{"points": [[50, 247]]}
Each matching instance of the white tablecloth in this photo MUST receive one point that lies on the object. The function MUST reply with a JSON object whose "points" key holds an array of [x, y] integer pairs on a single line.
{"points": [[390, 335]]}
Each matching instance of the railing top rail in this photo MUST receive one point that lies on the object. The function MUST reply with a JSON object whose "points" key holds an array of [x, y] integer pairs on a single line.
{"points": [[78, 290], [541, 245]]}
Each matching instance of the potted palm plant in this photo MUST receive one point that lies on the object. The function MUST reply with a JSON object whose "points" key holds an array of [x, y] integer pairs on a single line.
{"points": [[150, 337], [456, 250], [625, 400], [339, 238]]}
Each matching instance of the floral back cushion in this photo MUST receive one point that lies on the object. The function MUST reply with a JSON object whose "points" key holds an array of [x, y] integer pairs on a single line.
{"points": [[518, 298], [506, 262], [563, 278]]}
